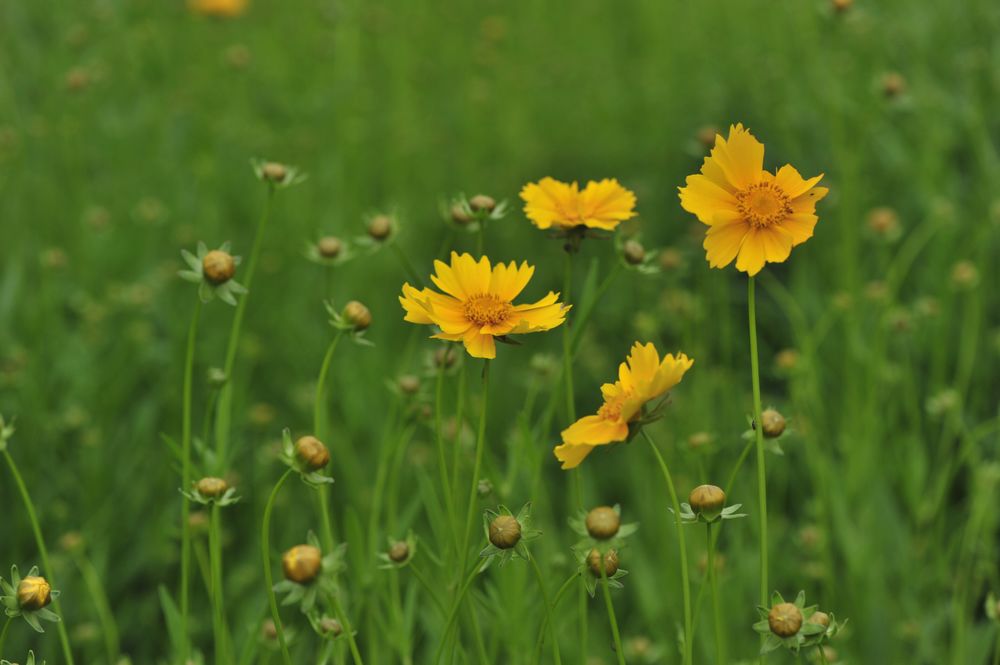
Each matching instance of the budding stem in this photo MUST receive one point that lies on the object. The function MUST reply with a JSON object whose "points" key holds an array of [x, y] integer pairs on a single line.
{"points": [[446, 488], [215, 555], [611, 615], [265, 550], [29, 507], [342, 618], [319, 431], [186, 476], [759, 433], [3, 633], [477, 466], [720, 656], [681, 546]]}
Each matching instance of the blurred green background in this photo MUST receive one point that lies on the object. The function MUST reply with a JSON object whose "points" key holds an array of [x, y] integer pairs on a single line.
{"points": [[126, 130]]}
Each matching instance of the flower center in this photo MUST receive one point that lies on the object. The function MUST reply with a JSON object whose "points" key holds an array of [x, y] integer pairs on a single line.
{"points": [[487, 310], [763, 204], [612, 409]]}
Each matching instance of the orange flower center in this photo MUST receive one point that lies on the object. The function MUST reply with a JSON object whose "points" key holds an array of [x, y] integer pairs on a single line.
{"points": [[487, 310], [612, 409], [763, 204]]}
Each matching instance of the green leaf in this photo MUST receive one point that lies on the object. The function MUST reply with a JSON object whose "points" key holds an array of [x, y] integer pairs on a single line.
{"points": [[173, 620]]}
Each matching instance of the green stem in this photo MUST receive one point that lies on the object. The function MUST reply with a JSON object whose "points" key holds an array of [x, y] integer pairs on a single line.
{"points": [[568, 343], [265, 550], [453, 613], [759, 433], [215, 556], [186, 409], [823, 659], [611, 614], [105, 616], [548, 610], [42, 551], [456, 446], [446, 489], [720, 655], [422, 579], [342, 618], [555, 603], [682, 548], [408, 268], [3, 633], [319, 431], [477, 465], [225, 402]]}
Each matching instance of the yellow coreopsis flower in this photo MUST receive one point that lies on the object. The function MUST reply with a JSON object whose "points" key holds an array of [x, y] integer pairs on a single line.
{"points": [[227, 8], [477, 304], [753, 216], [641, 378], [601, 205]]}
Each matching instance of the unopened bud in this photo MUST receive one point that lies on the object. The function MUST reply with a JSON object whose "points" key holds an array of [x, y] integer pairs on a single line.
{"points": [[505, 532], [707, 500], [482, 203], [212, 487], [610, 562], [773, 423], [444, 357], [329, 247], [380, 227], [964, 275], [841, 6], [312, 453], [893, 84], [459, 215], [357, 315], [603, 522], [218, 266], [706, 135], [399, 551], [33, 593], [268, 630], [784, 619], [331, 626], [820, 619], [302, 563], [409, 384], [274, 172], [634, 252]]}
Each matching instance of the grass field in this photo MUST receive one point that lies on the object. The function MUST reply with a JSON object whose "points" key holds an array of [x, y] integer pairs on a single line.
{"points": [[127, 131]]}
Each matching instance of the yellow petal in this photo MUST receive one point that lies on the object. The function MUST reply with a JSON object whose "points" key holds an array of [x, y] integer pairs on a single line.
{"points": [[479, 345], [594, 431], [807, 202], [571, 455], [550, 202], [791, 183], [777, 244], [752, 255], [723, 242], [799, 226], [446, 280], [507, 281], [545, 314], [643, 361], [416, 306], [670, 373], [606, 203], [740, 157], [705, 199], [472, 276]]}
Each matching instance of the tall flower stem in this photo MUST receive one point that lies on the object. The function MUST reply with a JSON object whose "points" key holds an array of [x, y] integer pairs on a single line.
{"points": [[224, 405], [218, 616], [823, 659], [186, 475], [446, 489], [568, 342], [29, 507], [759, 433], [555, 603], [319, 431], [342, 618], [265, 550], [611, 614], [477, 465], [681, 546], [548, 610], [3, 633], [453, 613], [720, 655]]}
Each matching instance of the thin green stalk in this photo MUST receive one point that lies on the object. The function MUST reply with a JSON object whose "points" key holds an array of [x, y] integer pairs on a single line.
{"points": [[422, 579], [823, 659], [105, 616], [456, 446], [265, 550], [319, 431], [477, 634], [682, 548], [477, 465], [759, 433], [453, 613], [186, 475], [555, 603], [215, 556], [342, 618], [446, 488], [611, 614], [42, 551], [408, 268], [224, 414], [3, 633], [548, 610], [720, 652], [568, 343]]}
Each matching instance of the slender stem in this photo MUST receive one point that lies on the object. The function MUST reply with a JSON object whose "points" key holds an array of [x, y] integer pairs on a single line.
{"points": [[477, 634], [720, 655], [342, 618], [428, 588], [186, 474], [319, 431], [215, 556], [225, 402], [456, 446], [477, 465], [555, 603], [548, 610], [611, 614], [446, 489], [736, 467], [101, 605], [3, 633], [568, 342], [682, 548], [759, 432], [408, 268], [42, 551], [265, 550], [453, 613], [823, 659]]}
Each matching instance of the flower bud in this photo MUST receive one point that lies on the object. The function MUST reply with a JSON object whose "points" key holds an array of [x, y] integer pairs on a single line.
{"points": [[329, 247], [331, 626], [707, 500], [883, 221], [380, 227], [671, 259], [820, 619], [268, 630], [399, 551], [700, 440], [773, 423], [841, 6], [482, 203], [274, 171], [634, 252], [459, 215], [444, 357], [302, 563], [409, 384], [603, 523], [706, 135], [33, 593], [312, 453], [610, 562], [784, 619], [893, 84], [829, 653], [218, 266], [357, 315], [505, 532], [964, 275], [787, 360], [212, 487]]}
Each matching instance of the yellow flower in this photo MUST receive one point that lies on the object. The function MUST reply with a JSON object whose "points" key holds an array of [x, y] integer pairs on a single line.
{"points": [[642, 378], [601, 205], [477, 303], [218, 7], [753, 216]]}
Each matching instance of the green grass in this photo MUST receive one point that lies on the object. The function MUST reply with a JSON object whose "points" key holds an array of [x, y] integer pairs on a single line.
{"points": [[399, 106]]}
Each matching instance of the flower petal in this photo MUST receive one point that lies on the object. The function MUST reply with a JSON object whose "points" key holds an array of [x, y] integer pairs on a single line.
{"points": [[704, 198], [741, 157], [571, 455], [752, 255], [594, 431], [723, 242]]}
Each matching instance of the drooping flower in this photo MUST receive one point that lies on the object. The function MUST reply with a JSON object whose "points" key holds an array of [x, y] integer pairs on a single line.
{"points": [[477, 305], [601, 205], [754, 216], [641, 378]]}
